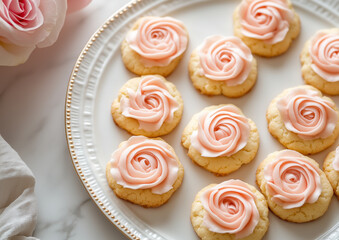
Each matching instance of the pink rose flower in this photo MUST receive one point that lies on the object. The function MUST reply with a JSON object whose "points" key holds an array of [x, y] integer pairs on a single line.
{"points": [[27, 24]]}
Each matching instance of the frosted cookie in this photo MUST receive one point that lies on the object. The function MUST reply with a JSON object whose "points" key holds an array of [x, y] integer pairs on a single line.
{"points": [[267, 27], [230, 210], [221, 139], [294, 186], [331, 169], [223, 65], [154, 45], [320, 61], [148, 105], [303, 120], [144, 171]]}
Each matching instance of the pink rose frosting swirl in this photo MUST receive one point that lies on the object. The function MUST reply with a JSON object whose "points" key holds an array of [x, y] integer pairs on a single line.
{"points": [[305, 113], [143, 163], [335, 162], [222, 132], [225, 59], [292, 180], [267, 20], [158, 40], [230, 208], [151, 104], [324, 51]]}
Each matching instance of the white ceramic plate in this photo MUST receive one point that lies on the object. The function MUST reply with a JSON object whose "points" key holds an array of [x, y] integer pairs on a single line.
{"points": [[99, 73]]}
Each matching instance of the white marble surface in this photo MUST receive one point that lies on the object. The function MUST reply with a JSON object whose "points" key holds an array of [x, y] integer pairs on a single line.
{"points": [[32, 98]]}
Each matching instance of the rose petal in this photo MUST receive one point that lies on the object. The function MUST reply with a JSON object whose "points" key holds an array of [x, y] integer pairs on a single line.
{"points": [[12, 55], [51, 12], [56, 12]]}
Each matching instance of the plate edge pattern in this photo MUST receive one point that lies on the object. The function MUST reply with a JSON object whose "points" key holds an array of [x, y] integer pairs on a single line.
{"points": [[68, 129]]}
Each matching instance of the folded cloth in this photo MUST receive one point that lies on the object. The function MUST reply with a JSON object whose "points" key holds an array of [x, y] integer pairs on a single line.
{"points": [[18, 212]]}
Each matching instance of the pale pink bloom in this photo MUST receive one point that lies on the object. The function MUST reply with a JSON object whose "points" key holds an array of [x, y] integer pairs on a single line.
{"points": [[27, 24]]}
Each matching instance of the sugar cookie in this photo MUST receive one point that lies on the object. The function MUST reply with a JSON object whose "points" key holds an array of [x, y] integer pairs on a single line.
{"points": [[221, 139], [303, 120], [223, 65], [144, 171], [230, 210], [331, 169], [154, 45], [267, 27], [294, 186], [148, 105], [320, 64]]}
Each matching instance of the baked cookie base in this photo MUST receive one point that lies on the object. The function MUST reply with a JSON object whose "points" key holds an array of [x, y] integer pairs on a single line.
{"points": [[132, 125], [221, 166], [261, 48], [198, 213], [290, 139], [211, 87], [311, 77], [144, 197], [331, 174], [306, 213], [133, 62]]}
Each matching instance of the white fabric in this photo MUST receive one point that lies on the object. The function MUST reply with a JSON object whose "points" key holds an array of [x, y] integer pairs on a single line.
{"points": [[18, 212]]}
